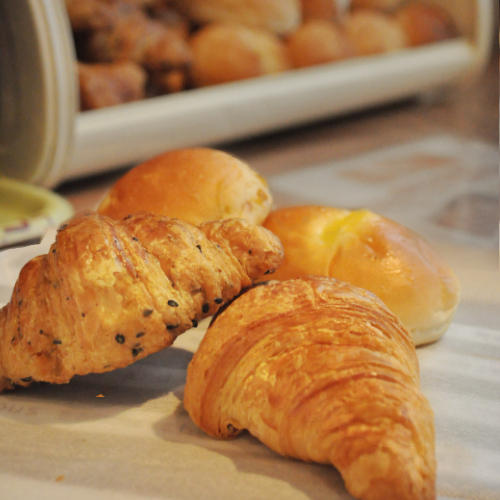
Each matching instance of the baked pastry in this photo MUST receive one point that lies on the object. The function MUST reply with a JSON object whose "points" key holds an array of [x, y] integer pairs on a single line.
{"points": [[195, 185], [374, 32], [277, 16], [224, 52], [320, 371], [424, 23], [374, 253], [103, 85], [133, 36], [318, 41], [109, 293]]}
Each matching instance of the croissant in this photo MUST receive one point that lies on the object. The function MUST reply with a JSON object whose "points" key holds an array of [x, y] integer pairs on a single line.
{"points": [[321, 371], [109, 293]]}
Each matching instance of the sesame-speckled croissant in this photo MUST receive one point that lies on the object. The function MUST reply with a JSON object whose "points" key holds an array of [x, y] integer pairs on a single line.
{"points": [[111, 292], [320, 371]]}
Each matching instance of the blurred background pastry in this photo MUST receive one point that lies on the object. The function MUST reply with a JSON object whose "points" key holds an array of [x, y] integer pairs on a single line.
{"points": [[425, 23], [277, 16], [224, 52], [374, 32], [318, 41]]}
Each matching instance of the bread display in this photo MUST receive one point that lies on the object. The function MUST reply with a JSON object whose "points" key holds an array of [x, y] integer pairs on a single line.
{"points": [[374, 253], [195, 185], [182, 45], [109, 293], [321, 371], [318, 41], [224, 52]]}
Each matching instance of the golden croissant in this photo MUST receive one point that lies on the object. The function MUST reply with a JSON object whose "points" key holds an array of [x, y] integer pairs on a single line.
{"points": [[109, 293], [320, 371]]}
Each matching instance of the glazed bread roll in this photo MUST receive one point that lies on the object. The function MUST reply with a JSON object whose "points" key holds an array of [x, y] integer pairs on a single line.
{"points": [[424, 23], [318, 41], [277, 16], [374, 253], [320, 371], [225, 52], [195, 185], [374, 32]]}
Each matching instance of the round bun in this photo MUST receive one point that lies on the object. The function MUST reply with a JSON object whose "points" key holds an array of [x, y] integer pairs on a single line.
{"points": [[374, 253], [229, 52], [194, 185], [277, 16], [374, 32], [318, 41]]}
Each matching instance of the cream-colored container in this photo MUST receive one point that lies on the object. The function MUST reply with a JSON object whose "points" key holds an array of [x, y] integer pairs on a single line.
{"points": [[45, 140]]}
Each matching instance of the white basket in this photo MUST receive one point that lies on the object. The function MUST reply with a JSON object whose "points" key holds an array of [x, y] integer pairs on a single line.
{"points": [[44, 139]]}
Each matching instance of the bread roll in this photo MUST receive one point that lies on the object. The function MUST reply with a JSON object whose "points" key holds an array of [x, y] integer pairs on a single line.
{"points": [[277, 16], [374, 32], [318, 41], [229, 52], [425, 23], [195, 185], [374, 253]]}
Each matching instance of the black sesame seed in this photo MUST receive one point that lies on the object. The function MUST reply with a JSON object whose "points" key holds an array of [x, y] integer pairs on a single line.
{"points": [[135, 239], [20, 302], [67, 298], [12, 340], [173, 303], [198, 247], [41, 331], [218, 300], [250, 252], [26, 379], [147, 312], [195, 323], [120, 338], [57, 341], [128, 217], [205, 308], [140, 334], [172, 327], [135, 352], [64, 226], [83, 315], [54, 250]]}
